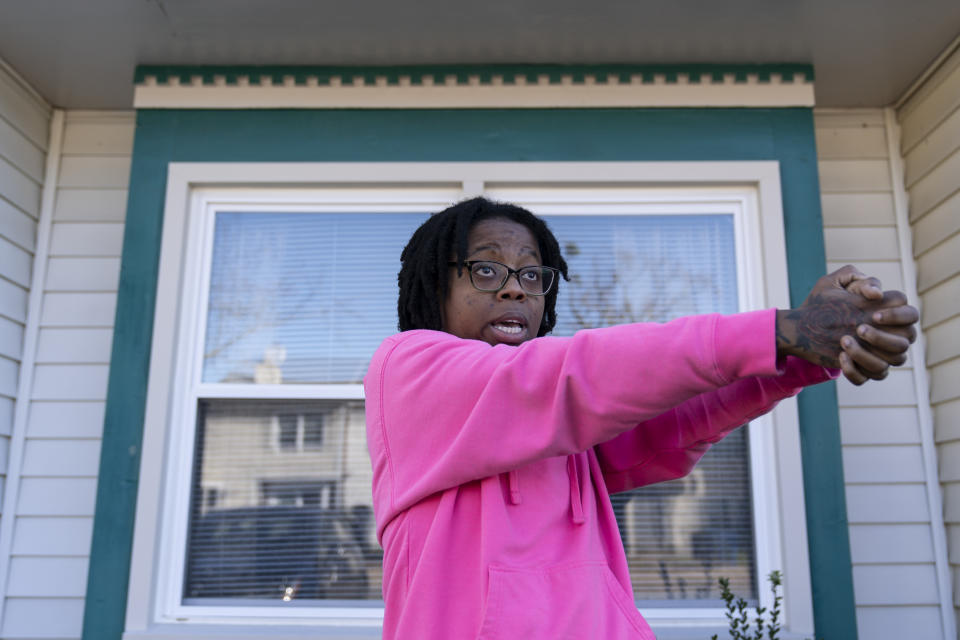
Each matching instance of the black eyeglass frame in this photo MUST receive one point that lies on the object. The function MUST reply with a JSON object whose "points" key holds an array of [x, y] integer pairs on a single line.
{"points": [[510, 272]]}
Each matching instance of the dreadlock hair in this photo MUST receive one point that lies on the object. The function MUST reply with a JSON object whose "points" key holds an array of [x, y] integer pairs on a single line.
{"points": [[424, 269]]}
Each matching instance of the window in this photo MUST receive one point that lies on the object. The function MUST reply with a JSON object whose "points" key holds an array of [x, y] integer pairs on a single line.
{"points": [[264, 502], [297, 432]]}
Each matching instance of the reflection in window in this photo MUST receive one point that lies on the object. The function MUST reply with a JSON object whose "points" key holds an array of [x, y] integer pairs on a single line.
{"points": [[281, 504], [301, 297], [680, 536], [299, 432], [287, 431], [282, 527], [313, 430]]}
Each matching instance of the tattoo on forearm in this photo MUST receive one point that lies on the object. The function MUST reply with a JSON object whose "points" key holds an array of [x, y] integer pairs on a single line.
{"points": [[819, 324]]}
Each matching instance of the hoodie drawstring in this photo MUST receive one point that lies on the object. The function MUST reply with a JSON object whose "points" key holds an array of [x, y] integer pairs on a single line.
{"points": [[576, 506], [513, 482]]}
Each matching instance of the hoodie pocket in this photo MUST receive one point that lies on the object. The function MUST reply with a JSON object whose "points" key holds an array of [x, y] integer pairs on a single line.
{"points": [[568, 602]]}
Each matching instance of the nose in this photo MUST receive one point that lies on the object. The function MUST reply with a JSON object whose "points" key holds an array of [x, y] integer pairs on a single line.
{"points": [[511, 289]]}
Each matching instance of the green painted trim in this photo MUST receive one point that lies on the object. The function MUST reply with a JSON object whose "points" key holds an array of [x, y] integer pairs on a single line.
{"points": [[119, 472], [623, 72], [828, 532], [164, 136]]}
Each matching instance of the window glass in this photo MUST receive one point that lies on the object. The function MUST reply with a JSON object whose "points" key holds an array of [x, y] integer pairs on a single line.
{"points": [[301, 297], [644, 268], [289, 522], [281, 494]]}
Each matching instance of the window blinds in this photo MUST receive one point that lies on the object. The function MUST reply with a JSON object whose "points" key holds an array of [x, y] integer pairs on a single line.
{"points": [[281, 509]]}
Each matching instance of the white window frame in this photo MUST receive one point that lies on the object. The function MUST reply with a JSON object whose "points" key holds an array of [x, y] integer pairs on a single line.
{"points": [[751, 190]]}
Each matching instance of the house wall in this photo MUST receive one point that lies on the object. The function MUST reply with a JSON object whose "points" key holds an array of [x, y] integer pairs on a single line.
{"points": [[889, 522], [895, 582], [930, 145], [54, 510], [24, 129]]}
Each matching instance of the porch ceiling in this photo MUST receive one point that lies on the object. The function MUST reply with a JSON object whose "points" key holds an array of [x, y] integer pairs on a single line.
{"points": [[82, 54]]}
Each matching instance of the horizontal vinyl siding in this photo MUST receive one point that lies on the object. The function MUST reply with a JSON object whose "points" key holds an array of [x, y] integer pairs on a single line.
{"points": [[51, 542], [43, 617], [24, 128], [931, 105], [53, 536], [61, 497], [930, 144], [891, 539]]}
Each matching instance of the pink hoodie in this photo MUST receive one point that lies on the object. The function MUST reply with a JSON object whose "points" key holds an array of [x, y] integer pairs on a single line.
{"points": [[492, 466]]}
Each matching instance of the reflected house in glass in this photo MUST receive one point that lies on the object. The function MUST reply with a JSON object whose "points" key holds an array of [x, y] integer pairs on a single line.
{"points": [[281, 453], [288, 516], [280, 498]]}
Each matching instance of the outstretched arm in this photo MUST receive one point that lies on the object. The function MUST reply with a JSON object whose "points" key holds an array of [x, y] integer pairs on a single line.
{"points": [[669, 445], [843, 304], [442, 411]]}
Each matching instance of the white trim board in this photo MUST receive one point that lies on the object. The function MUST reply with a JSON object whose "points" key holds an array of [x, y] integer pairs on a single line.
{"points": [[446, 92]]}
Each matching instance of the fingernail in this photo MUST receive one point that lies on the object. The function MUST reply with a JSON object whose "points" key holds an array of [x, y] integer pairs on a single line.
{"points": [[847, 341], [877, 317], [862, 330]]}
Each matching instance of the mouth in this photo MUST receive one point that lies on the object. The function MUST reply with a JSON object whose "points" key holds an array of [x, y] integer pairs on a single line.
{"points": [[510, 329]]}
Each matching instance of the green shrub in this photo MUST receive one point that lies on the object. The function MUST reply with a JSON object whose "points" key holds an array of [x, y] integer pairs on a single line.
{"points": [[738, 617]]}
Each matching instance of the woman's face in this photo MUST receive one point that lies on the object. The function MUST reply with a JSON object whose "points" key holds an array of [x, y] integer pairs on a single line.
{"points": [[508, 316]]}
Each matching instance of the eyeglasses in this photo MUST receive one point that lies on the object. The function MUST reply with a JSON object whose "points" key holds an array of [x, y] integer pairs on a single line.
{"points": [[486, 275]]}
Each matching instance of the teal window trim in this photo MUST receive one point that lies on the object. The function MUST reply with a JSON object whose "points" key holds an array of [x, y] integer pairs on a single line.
{"points": [[163, 136]]}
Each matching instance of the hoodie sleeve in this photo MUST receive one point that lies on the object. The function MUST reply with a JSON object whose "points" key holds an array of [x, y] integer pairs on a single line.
{"points": [[668, 446], [443, 411]]}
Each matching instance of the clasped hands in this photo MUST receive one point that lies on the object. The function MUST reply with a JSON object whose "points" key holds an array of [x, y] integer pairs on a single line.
{"points": [[849, 322]]}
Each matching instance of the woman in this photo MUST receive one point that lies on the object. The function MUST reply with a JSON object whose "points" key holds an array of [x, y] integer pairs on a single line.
{"points": [[495, 449]]}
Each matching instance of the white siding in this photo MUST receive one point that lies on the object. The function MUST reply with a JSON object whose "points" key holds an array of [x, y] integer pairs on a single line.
{"points": [[45, 617], [68, 537], [894, 575], [24, 127], [930, 144], [55, 505], [890, 530]]}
